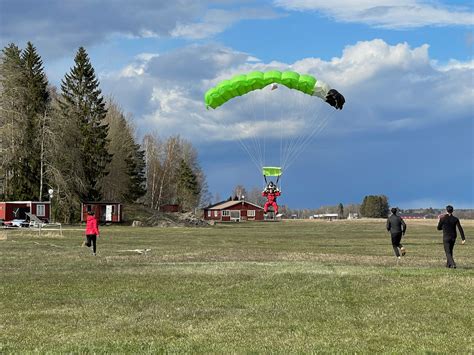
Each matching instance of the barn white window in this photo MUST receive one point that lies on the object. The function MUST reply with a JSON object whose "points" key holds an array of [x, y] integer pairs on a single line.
{"points": [[251, 213], [215, 214], [40, 211], [209, 213], [225, 213]]}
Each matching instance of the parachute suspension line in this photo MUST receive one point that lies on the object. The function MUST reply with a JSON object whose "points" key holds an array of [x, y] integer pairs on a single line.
{"points": [[295, 141], [246, 148], [245, 142], [249, 141], [281, 115], [318, 121], [302, 146], [290, 142], [323, 120], [256, 141], [266, 94], [299, 143]]}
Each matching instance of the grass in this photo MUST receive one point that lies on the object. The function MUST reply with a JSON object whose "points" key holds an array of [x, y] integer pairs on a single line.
{"points": [[290, 287]]}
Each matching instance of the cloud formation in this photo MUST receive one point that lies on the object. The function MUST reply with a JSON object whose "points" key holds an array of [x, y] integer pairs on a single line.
{"points": [[392, 14], [61, 26], [387, 87]]}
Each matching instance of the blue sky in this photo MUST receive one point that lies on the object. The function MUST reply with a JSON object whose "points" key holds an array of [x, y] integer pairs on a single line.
{"points": [[405, 67]]}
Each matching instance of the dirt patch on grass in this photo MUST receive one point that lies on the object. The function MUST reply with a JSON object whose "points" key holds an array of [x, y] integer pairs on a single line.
{"points": [[161, 219]]}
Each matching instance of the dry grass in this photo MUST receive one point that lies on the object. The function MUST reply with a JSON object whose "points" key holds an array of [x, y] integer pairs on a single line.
{"points": [[291, 287]]}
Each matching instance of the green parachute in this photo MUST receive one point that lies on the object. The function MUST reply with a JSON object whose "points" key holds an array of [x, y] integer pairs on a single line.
{"points": [[244, 83], [278, 111], [272, 171]]}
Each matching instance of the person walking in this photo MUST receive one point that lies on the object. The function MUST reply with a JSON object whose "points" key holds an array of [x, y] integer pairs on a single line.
{"points": [[448, 224], [397, 228], [92, 232]]}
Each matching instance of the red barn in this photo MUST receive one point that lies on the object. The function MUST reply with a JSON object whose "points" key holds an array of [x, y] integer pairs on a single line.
{"points": [[17, 210], [103, 211], [234, 211]]}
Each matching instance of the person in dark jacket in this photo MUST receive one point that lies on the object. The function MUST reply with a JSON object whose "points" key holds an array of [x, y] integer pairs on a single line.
{"points": [[448, 224], [397, 228]]}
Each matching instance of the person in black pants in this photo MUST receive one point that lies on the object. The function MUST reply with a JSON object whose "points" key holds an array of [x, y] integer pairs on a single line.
{"points": [[397, 228], [92, 232], [448, 224]]}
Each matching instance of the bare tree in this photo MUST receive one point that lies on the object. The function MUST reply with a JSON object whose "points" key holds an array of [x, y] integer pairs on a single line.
{"points": [[239, 191]]}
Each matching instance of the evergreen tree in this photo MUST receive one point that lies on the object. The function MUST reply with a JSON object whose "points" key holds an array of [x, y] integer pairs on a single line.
{"points": [[126, 178], [375, 206], [188, 187], [64, 170], [136, 172], [36, 102], [340, 211], [11, 120], [82, 102], [384, 206]]}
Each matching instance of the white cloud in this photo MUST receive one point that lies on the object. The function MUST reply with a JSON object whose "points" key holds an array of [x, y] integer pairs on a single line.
{"points": [[455, 64], [386, 13], [82, 23], [216, 21], [387, 87]]}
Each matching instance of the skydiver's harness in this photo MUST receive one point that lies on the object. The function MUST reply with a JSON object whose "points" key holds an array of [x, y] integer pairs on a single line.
{"points": [[266, 182]]}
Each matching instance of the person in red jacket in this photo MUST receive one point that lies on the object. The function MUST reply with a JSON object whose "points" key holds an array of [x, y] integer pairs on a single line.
{"points": [[271, 192], [92, 231]]}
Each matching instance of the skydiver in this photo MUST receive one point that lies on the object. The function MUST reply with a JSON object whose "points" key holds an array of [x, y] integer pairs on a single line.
{"points": [[271, 192]]}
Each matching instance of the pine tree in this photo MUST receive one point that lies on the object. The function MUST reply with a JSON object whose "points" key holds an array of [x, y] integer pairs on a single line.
{"points": [[11, 120], [136, 172], [340, 211], [188, 187], [82, 101], [36, 102], [126, 178]]}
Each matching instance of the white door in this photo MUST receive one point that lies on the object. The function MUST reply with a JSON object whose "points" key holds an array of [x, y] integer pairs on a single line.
{"points": [[108, 213]]}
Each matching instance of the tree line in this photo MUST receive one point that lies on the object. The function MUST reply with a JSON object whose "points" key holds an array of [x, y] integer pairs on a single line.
{"points": [[82, 146], [372, 206]]}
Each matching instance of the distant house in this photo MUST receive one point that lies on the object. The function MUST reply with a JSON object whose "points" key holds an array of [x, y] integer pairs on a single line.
{"points": [[413, 216], [104, 211], [234, 211], [17, 210], [328, 216], [353, 215]]}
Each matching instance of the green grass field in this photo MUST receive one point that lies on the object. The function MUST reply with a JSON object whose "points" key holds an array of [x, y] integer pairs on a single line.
{"points": [[252, 287]]}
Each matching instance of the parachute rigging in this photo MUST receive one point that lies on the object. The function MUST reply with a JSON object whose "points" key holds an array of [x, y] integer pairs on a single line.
{"points": [[272, 98]]}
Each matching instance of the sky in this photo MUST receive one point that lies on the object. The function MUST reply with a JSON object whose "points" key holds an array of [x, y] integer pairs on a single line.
{"points": [[405, 68]]}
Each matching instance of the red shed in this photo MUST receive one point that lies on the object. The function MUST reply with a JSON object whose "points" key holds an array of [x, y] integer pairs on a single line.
{"points": [[104, 211], [235, 211], [16, 210]]}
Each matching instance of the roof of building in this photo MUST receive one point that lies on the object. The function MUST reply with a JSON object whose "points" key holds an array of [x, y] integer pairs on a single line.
{"points": [[226, 204], [24, 202]]}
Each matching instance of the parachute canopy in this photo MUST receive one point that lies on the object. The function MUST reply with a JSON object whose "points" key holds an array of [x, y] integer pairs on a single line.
{"points": [[271, 171], [242, 84]]}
